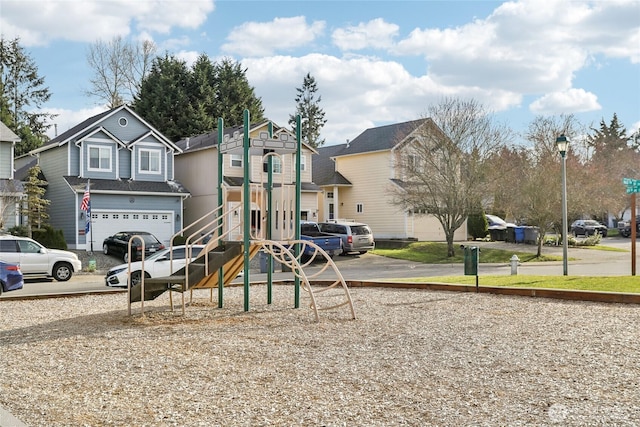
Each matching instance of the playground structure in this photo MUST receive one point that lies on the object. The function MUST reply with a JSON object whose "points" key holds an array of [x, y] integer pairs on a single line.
{"points": [[230, 244]]}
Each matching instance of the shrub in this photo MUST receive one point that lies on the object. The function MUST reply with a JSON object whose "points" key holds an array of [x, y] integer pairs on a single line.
{"points": [[50, 238], [19, 230], [477, 225]]}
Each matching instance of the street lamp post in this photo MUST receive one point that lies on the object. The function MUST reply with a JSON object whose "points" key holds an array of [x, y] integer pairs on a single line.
{"points": [[562, 142]]}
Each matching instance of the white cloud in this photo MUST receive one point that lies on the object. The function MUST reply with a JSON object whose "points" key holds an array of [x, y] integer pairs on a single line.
{"points": [[569, 101], [266, 38], [527, 46], [357, 93], [376, 34], [39, 22]]}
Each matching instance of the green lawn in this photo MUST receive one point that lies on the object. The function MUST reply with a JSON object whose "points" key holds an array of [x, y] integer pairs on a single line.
{"points": [[436, 253], [625, 284]]}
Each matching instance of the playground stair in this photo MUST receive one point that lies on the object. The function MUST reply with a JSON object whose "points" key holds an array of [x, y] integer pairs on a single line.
{"points": [[227, 255]]}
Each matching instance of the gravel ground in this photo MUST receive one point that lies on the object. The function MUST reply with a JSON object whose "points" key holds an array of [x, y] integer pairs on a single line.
{"points": [[412, 358]]}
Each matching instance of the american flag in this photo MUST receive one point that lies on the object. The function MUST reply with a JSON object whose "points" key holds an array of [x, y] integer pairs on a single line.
{"points": [[86, 200]]}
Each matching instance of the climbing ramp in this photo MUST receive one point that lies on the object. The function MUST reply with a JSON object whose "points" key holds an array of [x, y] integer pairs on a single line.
{"points": [[281, 252]]}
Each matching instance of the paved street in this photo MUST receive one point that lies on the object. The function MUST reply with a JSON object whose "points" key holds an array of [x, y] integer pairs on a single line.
{"points": [[583, 262]]}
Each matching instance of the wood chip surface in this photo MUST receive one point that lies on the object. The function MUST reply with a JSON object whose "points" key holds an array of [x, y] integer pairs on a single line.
{"points": [[411, 358]]}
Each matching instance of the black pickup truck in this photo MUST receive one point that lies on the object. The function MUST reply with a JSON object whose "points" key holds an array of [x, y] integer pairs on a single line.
{"points": [[624, 228]]}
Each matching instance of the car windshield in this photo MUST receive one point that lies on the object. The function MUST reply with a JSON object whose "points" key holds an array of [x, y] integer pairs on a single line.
{"points": [[591, 222]]}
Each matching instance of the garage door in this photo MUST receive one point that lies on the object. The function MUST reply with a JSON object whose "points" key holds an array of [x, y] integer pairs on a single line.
{"points": [[105, 224]]}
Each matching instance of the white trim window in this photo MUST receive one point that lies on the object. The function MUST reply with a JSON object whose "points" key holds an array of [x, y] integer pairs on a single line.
{"points": [[303, 162], [99, 158], [277, 165], [149, 161], [359, 208], [235, 160]]}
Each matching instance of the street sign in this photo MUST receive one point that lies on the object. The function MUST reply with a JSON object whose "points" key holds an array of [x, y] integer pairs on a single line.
{"points": [[633, 185]]}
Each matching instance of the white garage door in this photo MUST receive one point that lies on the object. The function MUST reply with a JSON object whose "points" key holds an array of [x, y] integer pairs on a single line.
{"points": [[107, 223]]}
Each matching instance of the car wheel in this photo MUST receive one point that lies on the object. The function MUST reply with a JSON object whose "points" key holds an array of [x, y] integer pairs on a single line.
{"points": [[136, 277], [62, 271], [105, 249]]}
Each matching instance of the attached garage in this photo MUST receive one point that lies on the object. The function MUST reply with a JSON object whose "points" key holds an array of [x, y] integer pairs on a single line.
{"points": [[107, 223]]}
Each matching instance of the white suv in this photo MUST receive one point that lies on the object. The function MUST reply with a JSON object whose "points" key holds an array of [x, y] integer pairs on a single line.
{"points": [[37, 261]]}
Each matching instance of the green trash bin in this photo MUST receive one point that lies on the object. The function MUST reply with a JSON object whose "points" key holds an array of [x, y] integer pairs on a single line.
{"points": [[471, 255]]}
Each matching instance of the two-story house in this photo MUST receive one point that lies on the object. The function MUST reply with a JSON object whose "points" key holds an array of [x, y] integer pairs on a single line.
{"points": [[356, 178], [197, 168], [129, 166], [10, 188]]}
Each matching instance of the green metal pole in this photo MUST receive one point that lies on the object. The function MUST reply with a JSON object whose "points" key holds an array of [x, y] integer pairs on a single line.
{"points": [[269, 206], [298, 205], [220, 201], [246, 209]]}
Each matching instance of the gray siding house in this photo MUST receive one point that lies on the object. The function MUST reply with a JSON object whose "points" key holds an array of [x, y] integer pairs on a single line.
{"points": [[10, 188], [129, 167]]}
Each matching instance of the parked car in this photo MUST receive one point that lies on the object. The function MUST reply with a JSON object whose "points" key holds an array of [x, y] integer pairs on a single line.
{"points": [[159, 264], [356, 236], [37, 261], [624, 228], [11, 278], [118, 245], [588, 227]]}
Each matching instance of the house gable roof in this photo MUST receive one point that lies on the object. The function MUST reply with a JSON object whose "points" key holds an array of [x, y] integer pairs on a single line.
{"points": [[381, 138], [7, 135], [89, 126]]}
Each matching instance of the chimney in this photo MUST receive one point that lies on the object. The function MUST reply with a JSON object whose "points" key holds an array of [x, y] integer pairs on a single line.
{"points": [[347, 143], [187, 147]]}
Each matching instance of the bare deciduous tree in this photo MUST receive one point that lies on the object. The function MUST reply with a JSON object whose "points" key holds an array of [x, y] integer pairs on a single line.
{"points": [[118, 69], [443, 164]]}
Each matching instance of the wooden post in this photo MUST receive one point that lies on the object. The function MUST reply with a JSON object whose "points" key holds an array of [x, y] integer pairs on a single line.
{"points": [[633, 234]]}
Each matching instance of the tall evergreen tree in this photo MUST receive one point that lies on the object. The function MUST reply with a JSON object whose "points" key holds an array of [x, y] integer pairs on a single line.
{"points": [[164, 99], [23, 94], [311, 115], [181, 102], [234, 94], [608, 139]]}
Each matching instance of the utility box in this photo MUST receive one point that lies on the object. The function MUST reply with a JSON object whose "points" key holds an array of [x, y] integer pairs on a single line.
{"points": [[471, 258]]}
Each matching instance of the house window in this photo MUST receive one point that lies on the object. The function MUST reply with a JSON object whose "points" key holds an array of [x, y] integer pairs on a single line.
{"points": [[100, 159], [330, 195], [236, 160], [149, 161], [277, 164], [303, 162], [359, 208], [122, 121]]}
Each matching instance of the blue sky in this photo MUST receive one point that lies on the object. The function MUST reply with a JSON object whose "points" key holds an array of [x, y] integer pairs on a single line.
{"points": [[375, 62]]}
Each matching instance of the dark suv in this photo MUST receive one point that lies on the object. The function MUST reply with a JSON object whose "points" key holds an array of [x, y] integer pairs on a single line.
{"points": [[588, 227], [118, 245], [624, 228]]}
